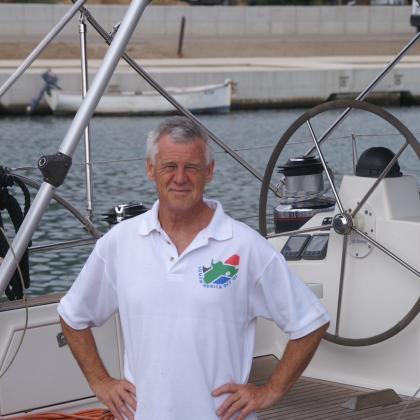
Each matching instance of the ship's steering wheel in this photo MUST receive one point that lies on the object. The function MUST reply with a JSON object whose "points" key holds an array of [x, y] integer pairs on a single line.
{"points": [[343, 222]]}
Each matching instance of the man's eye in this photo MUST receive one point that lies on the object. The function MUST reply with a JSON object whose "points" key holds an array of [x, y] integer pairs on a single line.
{"points": [[192, 168]]}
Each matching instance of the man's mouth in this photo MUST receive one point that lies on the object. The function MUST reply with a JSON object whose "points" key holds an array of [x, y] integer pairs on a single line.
{"points": [[179, 191]]}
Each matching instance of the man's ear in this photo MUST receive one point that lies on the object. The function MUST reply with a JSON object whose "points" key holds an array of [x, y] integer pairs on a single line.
{"points": [[150, 170], [210, 172]]}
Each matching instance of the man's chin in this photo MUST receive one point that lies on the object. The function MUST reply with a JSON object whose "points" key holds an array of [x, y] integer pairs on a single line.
{"points": [[181, 203]]}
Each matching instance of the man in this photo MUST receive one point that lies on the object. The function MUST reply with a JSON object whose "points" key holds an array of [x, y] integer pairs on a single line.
{"points": [[188, 282]]}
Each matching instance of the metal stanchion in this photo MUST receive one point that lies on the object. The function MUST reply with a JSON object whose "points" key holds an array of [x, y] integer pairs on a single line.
{"points": [[85, 87]]}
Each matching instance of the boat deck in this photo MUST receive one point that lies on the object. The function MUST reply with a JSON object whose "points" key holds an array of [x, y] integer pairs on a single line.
{"points": [[314, 399]]}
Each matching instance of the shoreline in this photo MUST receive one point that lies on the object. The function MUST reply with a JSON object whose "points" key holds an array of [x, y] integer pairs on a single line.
{"points": [[268, 72], [259, 82]]}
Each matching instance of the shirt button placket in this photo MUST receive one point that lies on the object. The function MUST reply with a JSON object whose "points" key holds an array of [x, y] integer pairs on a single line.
{"points": [[171, 250]]}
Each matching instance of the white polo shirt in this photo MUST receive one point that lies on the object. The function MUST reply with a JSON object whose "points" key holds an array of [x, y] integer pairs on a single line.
{"points": [[188, 320]]}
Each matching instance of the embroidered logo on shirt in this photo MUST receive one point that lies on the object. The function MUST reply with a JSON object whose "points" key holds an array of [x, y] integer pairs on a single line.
{"points": [[219, 274]]}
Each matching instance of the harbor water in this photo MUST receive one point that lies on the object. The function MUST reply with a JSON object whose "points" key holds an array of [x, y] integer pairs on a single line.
{"points": [[118, 153]]}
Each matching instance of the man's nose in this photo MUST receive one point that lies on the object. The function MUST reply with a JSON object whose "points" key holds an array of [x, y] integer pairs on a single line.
{"points": [[180, 175]]}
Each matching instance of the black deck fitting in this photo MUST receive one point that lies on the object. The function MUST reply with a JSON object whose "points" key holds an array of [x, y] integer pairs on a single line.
{"points": [[54, 168]]}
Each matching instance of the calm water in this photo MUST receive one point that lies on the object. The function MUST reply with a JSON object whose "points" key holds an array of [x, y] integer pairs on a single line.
{"points": [[118, 148]]}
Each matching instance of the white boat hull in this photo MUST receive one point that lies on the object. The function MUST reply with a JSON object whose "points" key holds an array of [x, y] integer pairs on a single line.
{"points": [[209, 98], [44, 371]]}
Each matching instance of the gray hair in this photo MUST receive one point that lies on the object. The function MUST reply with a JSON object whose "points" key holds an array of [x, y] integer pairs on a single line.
{"points": [[181, 130]]}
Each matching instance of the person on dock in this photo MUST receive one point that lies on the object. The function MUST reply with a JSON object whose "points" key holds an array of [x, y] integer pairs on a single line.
{"points": [[188, 282]]}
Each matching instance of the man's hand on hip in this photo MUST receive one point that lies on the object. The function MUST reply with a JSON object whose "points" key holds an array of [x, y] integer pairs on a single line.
{"points": [[244, 399], [119, 396]]}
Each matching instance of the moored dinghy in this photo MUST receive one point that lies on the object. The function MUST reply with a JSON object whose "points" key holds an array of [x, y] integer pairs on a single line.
{"points": [[204, 99]]}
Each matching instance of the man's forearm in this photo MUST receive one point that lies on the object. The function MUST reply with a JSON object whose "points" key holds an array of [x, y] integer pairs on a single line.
{"points": [[244, 399], [82, 345], [295, 359], [118, 395]]}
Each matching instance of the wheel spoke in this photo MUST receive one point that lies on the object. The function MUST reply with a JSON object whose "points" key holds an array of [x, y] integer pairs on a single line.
{"points": [[341, 285], [330, 129], [387, 252], [354, 152], [324, 164], [298, 231], [378, 180]]}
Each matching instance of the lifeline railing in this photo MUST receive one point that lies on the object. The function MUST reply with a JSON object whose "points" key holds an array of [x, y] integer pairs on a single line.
{"points": [[81, 120]]}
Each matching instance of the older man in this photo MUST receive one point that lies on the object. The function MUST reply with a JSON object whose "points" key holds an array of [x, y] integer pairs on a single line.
{"points": [[188, 282]]}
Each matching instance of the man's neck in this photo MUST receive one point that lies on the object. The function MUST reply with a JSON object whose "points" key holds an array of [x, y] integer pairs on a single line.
{"points": [[182, 227]]}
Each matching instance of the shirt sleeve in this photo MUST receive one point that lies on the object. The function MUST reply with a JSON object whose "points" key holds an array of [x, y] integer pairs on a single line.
{"points": [[92, 299], [279, 295]]}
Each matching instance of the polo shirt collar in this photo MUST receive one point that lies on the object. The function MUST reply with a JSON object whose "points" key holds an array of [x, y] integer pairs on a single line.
{"points": [[219, 228], [150, 221]]}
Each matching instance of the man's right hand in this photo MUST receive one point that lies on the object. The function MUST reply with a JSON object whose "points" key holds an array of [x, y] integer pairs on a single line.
{"points": [[118, 395]]}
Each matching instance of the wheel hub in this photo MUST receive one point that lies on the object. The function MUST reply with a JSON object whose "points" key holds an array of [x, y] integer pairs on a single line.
{"points": [[342, 223]]}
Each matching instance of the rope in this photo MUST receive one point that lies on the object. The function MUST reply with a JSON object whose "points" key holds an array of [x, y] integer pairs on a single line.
{"points": [[14, 290], [95, 413]]}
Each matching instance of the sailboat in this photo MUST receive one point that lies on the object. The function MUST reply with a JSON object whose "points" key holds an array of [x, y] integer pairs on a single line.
{"points": [[356, 239]]}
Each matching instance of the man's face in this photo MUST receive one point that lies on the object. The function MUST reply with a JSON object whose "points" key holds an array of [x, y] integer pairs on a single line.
{"points": [[180, 173]]}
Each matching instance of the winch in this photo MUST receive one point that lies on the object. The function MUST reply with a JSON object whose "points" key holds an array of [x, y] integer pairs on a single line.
{"points": [[302, 193], [124, 211]]}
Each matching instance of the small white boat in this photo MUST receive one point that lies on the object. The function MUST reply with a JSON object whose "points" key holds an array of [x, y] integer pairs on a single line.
{"points": [[207, 98]]}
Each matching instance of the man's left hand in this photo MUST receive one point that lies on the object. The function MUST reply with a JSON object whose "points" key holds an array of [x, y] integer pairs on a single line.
{"points": [[244, 399]]}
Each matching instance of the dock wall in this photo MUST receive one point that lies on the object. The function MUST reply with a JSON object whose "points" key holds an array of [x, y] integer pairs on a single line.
{"points": [[26, 21], [258, 82]]}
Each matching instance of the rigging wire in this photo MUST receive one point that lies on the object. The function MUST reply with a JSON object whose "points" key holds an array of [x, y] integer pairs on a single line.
{"points": [[239, 149], [137, 159]]}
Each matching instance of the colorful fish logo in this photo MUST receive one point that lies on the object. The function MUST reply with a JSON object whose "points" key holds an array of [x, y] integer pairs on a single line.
{"points": [[220, 273]]}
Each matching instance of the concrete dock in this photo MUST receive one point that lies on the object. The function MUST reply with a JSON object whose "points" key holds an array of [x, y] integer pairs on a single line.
{"points": [[276, 56], [258, 81]]}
